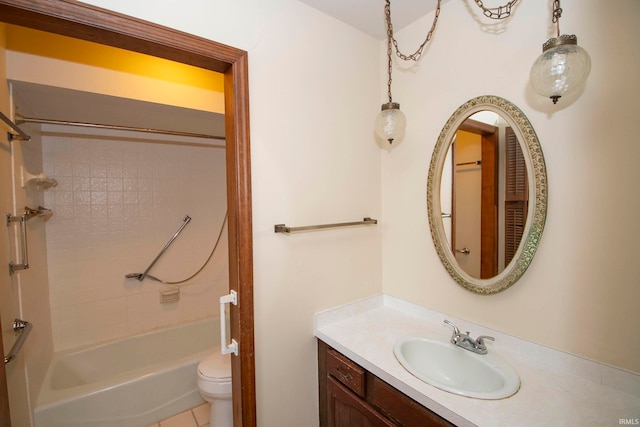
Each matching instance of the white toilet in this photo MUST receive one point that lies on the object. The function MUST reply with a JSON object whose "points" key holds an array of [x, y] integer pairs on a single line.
{"points": [[214, 383]]}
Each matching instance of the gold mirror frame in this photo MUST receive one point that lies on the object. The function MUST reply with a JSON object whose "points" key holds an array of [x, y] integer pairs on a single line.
{"points": [[537, 179]]}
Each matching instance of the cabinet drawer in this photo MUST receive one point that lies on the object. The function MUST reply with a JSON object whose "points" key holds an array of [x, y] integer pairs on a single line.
{"points": [[346, 371]]}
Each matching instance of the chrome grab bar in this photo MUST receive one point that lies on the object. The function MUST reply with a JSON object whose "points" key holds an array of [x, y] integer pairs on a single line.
{"points": [[23, 232], [281, 228], [141, 276], [22, 328]]}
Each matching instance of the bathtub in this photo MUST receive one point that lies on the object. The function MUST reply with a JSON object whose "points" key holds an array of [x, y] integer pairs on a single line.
{"points": [[131, 382]]}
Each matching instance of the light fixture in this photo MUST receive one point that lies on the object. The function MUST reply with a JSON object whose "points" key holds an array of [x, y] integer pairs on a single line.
{"points": [[563, 66], [391, 122]]}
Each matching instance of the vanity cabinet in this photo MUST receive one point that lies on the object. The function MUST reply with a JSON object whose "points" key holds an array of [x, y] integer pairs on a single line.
{"points": [[352, 397]]}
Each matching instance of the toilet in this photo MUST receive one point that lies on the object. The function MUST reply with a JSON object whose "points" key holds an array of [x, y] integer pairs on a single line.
{"points": [[214, 383]]}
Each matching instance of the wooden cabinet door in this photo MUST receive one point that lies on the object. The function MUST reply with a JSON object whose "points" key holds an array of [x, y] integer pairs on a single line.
{"points": [[347, 410]]}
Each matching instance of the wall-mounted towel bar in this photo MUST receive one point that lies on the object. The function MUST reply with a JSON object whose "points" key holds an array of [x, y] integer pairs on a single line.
{"points": [[475, 162], [281, 228], [19, 133], [22, 328]]}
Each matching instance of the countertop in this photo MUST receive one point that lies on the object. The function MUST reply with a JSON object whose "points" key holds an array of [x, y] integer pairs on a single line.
{"points": [[557, 389]]}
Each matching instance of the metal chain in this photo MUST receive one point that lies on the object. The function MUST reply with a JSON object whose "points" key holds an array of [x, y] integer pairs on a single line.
{"points": [[416, 55], [557, 13], [389, 63], [500, 12], [391, 39]]}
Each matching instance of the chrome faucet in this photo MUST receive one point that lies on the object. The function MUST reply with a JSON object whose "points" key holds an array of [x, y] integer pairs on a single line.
{"points": [[466, 342]]}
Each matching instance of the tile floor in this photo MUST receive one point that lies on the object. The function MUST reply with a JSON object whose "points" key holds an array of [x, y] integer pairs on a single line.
{"points": [[195, 417]]}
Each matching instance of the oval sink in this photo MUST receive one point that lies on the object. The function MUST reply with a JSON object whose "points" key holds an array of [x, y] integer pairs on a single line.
{"points": [[457, 370]]}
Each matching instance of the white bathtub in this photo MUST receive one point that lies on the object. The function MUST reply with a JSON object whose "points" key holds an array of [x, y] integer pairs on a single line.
{"points": [[131, 382]]}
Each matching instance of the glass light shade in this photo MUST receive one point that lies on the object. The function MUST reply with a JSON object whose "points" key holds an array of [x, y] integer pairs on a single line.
{"points": [[562, 68], [391, 122]]}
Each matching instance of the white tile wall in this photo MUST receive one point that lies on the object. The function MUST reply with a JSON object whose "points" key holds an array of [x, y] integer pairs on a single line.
{"points": [[120, 198]]}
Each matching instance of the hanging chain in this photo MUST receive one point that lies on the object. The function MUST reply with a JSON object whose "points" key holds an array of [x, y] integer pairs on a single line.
{"points": [[391, 40], [500, 12], [389, 63], [416, 55], [557, 13]]}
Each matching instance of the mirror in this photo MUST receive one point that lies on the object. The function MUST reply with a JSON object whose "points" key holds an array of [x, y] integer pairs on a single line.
{"points": [[487, 194]]}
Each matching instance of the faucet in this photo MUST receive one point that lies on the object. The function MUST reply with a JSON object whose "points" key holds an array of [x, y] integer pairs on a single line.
{"points": [[466, 342]]}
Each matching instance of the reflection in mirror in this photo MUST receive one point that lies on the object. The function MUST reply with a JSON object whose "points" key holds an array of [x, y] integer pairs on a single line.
{"points": [[484, 188], [487, 194]]}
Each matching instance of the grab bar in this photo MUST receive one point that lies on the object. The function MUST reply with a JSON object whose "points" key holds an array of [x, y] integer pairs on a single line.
{"points": [[23, 233], [281, 228], [141, 276], [22, 328], [21, 135], [231, 298]]}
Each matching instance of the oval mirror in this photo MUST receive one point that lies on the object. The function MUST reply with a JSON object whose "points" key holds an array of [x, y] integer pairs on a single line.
{"points": [[487, 194]]}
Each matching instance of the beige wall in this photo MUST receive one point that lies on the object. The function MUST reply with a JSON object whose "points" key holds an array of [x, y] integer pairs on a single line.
{"points": [[314, 93], [581, 291], [314, 160]]}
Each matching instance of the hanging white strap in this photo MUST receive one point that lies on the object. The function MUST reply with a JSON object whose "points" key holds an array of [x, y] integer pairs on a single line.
{"points": [[233, 346]]}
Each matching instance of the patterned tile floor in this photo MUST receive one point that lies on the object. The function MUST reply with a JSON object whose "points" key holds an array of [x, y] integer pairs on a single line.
{"points": [[195, 417]]}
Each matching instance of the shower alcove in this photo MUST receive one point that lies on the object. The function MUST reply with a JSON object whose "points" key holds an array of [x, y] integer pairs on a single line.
{"points": [[120, 195]]}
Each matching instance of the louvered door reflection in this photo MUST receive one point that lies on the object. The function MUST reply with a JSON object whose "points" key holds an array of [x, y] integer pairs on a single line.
{"points": [[516, 195]]}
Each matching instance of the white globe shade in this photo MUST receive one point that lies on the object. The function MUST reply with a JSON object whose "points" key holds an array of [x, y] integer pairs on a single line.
{"points": [[562, 68], [390, 123]]}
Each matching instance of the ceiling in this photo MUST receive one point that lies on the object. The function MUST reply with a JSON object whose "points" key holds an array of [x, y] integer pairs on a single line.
{"points": [[368, 15]]}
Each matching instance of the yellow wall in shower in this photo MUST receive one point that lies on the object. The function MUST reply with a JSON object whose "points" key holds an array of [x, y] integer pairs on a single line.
{"points": [[51, 59]]}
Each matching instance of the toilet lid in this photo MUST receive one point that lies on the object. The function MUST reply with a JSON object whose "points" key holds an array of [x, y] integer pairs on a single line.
{"points": [[216, 366]]}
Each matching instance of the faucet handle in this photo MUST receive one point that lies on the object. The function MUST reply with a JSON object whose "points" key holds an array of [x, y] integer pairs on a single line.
{"points": [[480, 341], [456, 331]]}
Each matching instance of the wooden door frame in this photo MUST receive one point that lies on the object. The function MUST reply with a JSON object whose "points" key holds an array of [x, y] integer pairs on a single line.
{"points": [[489, 204], [87, 22]]}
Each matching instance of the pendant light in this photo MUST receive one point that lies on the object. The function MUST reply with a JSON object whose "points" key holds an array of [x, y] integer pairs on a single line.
{"points": [[563, 66], [391, 122]]}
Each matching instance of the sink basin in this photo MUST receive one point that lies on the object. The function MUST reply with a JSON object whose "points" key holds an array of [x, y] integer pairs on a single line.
{"points": [[456, 370]]}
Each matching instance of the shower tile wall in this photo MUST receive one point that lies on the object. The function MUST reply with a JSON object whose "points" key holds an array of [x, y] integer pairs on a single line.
{"points": [[119, 200]]}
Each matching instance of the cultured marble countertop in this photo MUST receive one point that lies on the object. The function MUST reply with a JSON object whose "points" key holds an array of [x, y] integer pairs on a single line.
{"points": [[557, 389]]}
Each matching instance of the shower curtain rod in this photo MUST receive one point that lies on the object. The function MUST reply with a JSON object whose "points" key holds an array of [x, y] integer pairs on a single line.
{"points": [[20, 120], [20, 134]]}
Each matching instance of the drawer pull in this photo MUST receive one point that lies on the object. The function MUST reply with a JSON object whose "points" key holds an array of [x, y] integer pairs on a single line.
{"points": [[346, 377]]}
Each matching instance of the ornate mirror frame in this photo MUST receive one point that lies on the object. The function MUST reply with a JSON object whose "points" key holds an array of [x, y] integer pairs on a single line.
{"points": [[537, 208]]}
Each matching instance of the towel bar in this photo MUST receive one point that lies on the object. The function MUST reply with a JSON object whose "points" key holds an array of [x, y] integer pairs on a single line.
{"points": [[281, 228]]}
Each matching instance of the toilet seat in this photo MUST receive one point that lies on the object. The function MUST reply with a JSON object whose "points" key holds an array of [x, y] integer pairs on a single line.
{"points": [[216, 368]]}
